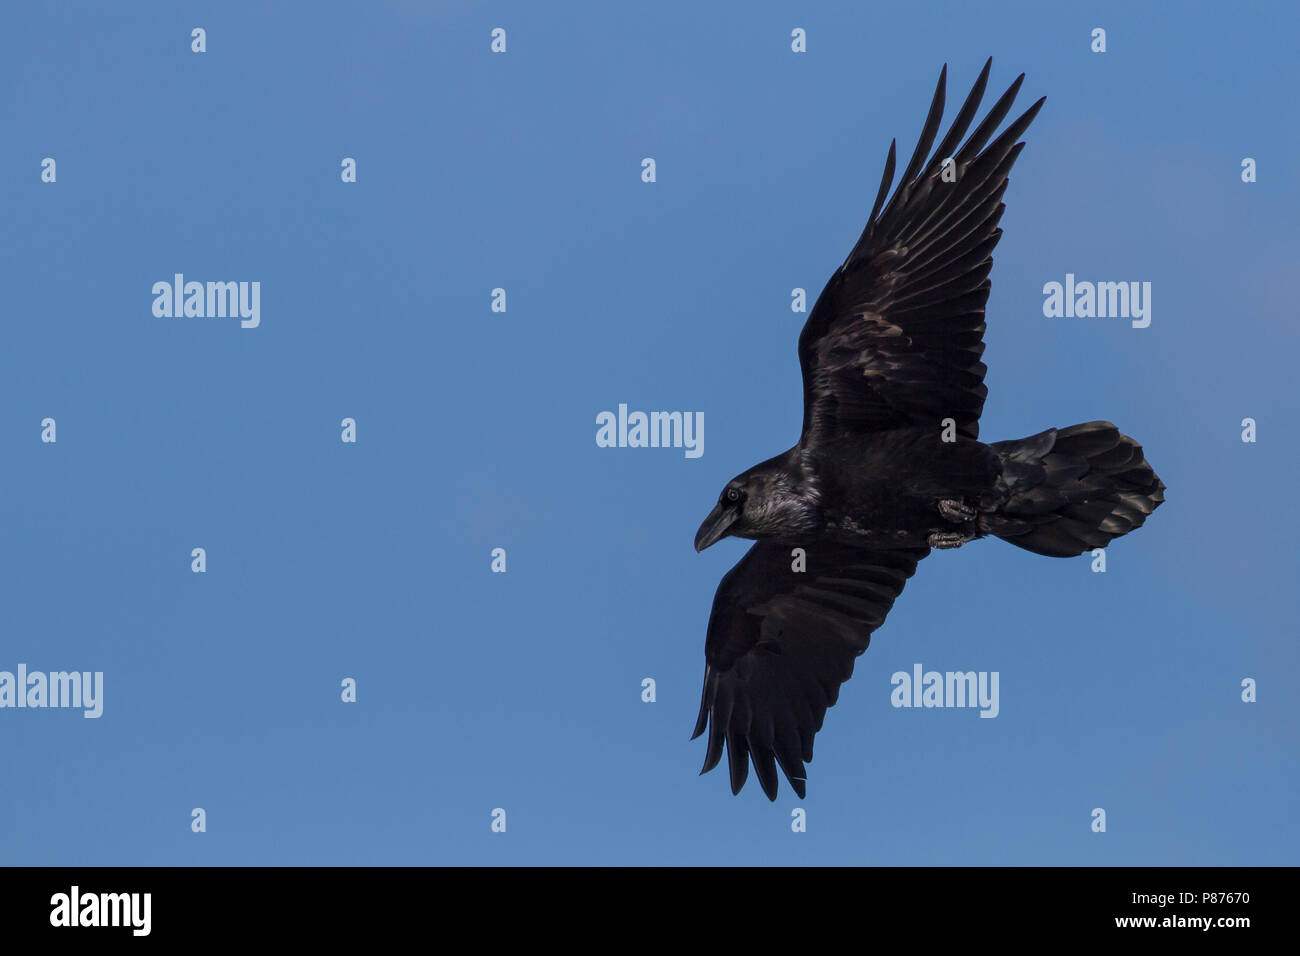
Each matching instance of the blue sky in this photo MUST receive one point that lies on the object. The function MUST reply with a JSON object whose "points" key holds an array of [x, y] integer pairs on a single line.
{"points": [[476, 430]]}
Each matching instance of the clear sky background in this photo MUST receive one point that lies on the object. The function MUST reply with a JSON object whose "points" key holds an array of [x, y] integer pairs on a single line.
{"points": [[476, 430]]}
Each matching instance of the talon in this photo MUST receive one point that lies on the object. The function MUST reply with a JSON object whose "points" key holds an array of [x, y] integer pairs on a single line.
{"points": [[948, 539], [957, 511]]}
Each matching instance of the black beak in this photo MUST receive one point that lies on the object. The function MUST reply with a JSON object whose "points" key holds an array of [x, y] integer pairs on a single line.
{"points": [[715, 526]]}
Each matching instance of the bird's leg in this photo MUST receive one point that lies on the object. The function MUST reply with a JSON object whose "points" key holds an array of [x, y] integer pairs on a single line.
{"points": [[958, 512]]}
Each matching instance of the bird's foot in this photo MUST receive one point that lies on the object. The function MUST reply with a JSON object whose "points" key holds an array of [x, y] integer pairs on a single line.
{"points": [[957, 511], [948, 539]]}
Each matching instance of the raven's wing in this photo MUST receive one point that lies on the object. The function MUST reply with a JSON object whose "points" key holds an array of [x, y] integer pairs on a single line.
{"points": [[896, 336], [781, 642]]}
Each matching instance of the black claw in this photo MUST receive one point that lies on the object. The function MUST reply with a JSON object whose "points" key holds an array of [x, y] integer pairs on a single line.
{"points": [[955, 510]]}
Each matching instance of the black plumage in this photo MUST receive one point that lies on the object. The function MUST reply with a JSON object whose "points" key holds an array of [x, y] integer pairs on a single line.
{"points": [[889, 462]]}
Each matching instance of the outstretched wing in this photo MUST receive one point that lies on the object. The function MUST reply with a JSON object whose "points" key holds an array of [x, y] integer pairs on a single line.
{"points": [[780, 643], [896, 336]]}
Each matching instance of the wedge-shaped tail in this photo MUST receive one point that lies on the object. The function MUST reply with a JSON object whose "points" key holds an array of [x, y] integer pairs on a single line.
{"points": [[1066, 491]]}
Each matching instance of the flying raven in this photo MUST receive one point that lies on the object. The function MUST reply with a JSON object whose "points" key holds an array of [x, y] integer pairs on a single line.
{"points": [[889, 464]]}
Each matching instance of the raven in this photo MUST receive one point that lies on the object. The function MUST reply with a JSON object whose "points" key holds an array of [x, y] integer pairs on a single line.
{"points": [[889, 463]]}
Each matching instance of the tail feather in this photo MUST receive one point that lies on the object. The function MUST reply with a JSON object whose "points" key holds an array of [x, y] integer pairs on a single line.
{"points": [[1069, 490]]}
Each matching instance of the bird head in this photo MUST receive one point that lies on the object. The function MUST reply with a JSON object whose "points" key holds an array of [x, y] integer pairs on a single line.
{"points": [[727, 516], [764, 502]]}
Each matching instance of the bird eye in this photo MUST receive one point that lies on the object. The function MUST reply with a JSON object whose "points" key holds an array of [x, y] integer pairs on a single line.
{"points": [[733, 494]]}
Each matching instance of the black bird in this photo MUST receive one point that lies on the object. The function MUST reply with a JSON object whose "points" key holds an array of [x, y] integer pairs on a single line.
{"points": [[889, 464]]}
